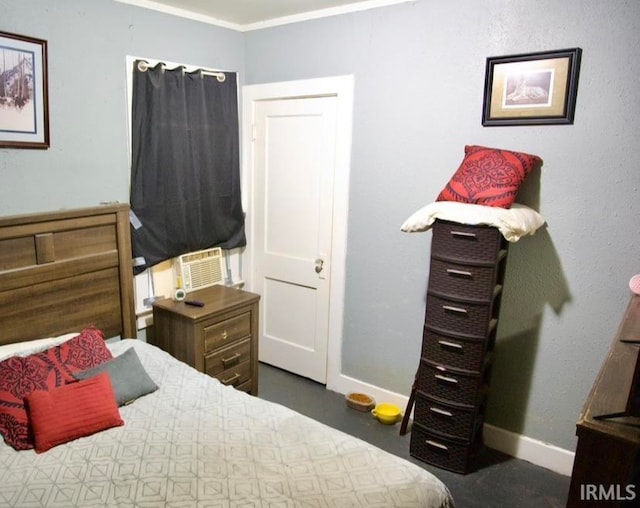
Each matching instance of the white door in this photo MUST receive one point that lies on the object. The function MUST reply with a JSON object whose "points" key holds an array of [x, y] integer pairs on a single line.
{"points": [[294, 163], [297, 206]]}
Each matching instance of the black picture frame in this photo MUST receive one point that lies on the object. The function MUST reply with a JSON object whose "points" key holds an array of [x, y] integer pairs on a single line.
{"points": [[24, 90], [531, 89]]}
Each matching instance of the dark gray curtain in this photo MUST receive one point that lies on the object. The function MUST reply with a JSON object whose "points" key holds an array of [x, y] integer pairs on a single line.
{"points": [[185, 174]]}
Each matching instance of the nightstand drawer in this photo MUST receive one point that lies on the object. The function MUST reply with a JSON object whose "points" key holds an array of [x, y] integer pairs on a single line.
{"points": [[464, 243], [235, 376], [225, 332], [227, 358], [467, 281]]}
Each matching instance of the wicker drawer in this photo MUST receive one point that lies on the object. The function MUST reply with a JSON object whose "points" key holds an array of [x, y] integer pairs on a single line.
{"points": [[464, 243], [227, 331], [467, 281], [227, 358], [460, 387], [460, 353], [445, 418], [433, 448], [462, 318]]}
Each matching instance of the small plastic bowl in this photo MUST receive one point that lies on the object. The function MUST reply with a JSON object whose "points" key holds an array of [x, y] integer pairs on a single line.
{"points": [[360, 402], [386, 413]]}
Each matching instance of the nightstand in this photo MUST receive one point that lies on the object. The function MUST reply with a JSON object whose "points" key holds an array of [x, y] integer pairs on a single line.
{"points": [[219, 339]]}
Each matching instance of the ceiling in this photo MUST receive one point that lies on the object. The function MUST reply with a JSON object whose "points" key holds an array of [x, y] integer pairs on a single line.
{"points": [[250, 14]]}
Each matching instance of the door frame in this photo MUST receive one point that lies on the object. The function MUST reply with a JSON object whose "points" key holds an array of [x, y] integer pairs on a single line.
{"points": [[342, 88]]}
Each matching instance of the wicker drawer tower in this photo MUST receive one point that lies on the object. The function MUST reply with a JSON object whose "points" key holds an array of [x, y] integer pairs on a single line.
{"points": [[463, 303]]}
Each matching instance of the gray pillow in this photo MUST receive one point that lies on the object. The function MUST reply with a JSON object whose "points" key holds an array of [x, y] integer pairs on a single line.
{"points": [[128, 377]]}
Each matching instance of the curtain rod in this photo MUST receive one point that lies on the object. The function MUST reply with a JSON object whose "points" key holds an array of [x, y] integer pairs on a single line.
{"points": [[220, 76]]}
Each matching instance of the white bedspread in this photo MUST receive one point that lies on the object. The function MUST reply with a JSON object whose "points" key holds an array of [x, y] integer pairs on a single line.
{"points": [[195, 442]]}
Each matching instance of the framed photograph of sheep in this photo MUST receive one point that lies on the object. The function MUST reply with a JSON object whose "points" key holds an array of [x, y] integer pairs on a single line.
{"points": [[531, 89], [24, 103]]}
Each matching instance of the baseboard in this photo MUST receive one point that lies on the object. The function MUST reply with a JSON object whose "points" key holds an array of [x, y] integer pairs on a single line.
{"points": [[532, 450], [522, 447]]}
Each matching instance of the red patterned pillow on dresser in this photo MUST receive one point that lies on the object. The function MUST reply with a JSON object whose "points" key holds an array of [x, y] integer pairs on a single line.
{"points": [[19, 376], [489, 176]]}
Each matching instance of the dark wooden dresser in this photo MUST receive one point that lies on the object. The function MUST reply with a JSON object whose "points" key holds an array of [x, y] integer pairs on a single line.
{"points": [[463, 302], [605, 468], [219, 339]]}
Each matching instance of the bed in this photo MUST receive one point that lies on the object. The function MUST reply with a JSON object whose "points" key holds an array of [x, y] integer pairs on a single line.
{"points": [[188, 440]]}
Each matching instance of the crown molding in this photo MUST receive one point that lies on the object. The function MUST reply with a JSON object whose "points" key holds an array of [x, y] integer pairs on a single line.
{"points": [[284, 20]]}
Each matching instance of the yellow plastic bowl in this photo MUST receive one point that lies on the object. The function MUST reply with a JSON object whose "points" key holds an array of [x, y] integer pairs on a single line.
{"points": [[387, 413]]}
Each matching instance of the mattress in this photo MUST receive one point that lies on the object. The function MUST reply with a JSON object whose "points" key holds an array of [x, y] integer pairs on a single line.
{"points": [[195, 442]]}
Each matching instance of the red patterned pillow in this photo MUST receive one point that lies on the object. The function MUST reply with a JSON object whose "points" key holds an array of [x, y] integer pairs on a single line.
{"points": [[17, 380], [20, 376], [489, 176], [80, 353], [72, 411]]}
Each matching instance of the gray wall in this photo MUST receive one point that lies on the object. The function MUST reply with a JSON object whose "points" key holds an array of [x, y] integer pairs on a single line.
{"points": [[419, 77], [88, 41]]}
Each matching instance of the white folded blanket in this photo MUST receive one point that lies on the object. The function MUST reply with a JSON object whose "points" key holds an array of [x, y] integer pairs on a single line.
{"points": [[513, 223]]}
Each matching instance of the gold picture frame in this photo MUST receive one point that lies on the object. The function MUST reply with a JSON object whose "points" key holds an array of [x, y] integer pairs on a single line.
{"points": [[531, 89]]}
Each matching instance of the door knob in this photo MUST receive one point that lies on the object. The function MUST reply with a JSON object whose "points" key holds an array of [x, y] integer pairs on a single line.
{"points": [[319, 265]]}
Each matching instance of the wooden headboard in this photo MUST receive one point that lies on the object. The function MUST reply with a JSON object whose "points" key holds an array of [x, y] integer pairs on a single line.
{"points": [[63, 271]]}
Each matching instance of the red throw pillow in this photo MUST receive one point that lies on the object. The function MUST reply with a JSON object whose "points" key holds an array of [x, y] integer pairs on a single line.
{"points": [[489, 176], [43, 371], [84, 351], [72, 411], [17, 380]]}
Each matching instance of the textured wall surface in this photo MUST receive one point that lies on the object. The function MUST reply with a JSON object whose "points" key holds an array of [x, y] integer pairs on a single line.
{"points": [[419, 79], [88, 42]]}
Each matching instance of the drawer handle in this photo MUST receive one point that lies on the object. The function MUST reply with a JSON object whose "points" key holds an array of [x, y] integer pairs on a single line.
{"points": [[463, 234], [453, 345], [436, 444], [224, 335], [232, 358], [447, 379], [461, 273], [451, 308], [231, 380], [441, 412]]}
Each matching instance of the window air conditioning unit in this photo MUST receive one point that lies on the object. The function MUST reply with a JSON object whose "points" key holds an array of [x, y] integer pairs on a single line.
{"points": [[200, 269]]}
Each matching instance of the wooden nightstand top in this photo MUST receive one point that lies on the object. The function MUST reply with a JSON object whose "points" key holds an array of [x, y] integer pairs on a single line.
{"points": [[215, 298]]}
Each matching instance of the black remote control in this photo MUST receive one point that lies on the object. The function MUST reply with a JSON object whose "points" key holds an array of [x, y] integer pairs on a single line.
{"points": [[194, 303]]}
